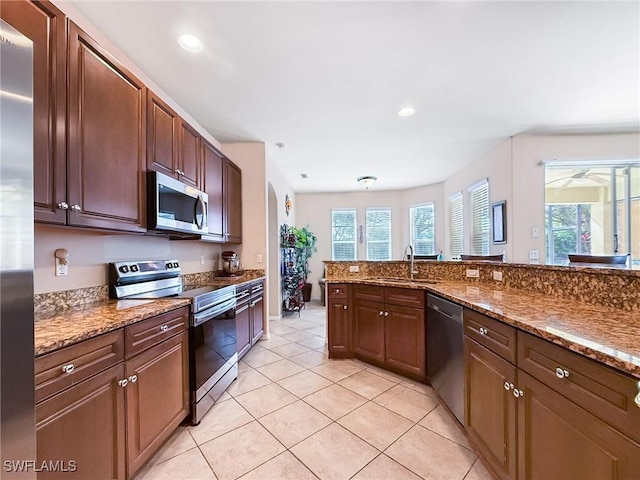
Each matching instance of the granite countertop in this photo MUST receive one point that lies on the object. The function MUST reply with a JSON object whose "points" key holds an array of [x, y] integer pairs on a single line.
{"points": [[58, 329], [605, 334]]}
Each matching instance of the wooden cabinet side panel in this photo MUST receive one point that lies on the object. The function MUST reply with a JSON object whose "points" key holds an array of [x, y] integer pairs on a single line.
{"points": [[107, 148], [490, 410], [45, 25], [158, 400], [559, 439], [85, 424], [233, 185], [212, 184]]}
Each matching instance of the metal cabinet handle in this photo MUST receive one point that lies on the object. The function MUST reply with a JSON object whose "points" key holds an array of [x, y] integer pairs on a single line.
{"points": [[337, 290], [63, 205], [508, 386], [133, 378], [637, 399], [344, 307], [562, 373], [518, 393], [123, 382], [76, 208], [68, 368], [380, 313], [164, 328], [483, 331], [177, 170], [386, 314]]}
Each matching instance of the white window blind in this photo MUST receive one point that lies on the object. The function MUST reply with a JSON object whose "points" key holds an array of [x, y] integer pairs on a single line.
{"points": [[343, 234], [479, 209], [422, 226], [456, 240], [378, 225]]}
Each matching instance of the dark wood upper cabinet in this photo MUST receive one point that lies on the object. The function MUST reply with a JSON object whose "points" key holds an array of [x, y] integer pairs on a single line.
{"points": [[213, 185], [162, 136], [233, 208], [107, 148], [45, 25], [189, 155]]}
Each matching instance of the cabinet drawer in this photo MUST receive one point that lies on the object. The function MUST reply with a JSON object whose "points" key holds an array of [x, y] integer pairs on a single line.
{"points": [[145, 334], [337, 290], [257, 288], [369, 293], [498, 337], [601, 390], [62, 369], [404, 297], [243, 292]]}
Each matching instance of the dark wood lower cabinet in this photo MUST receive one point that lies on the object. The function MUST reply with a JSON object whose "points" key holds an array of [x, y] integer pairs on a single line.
{"points": [[257, 318], [404, 341], [557, 439], [157, 397], [84, 424], [490, 409], [368, 331], [339, 328], [243, 329], [249, 316]]}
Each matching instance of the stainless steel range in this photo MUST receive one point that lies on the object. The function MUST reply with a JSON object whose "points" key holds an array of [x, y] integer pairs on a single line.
{"points": [[213, 357]]}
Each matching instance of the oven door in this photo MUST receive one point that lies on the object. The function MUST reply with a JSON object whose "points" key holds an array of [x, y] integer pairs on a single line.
{"points": [[174, 206], [213, 348]]}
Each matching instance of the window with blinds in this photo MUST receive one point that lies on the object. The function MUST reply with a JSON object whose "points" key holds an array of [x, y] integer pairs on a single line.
{"points": [[343, 235], [479, 211], [422, 228], [456, 240], [378, 226]]}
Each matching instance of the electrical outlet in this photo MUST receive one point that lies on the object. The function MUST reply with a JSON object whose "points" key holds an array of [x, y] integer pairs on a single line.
{"points": [[473, 273], [497, 276], [354, 268], [258, 258], [533, 255], [201, 259], [62, 269]]}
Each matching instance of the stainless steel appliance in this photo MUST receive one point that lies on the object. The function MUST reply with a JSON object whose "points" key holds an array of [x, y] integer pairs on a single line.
{"points": [[445, 344], [17, 390], [213, 356], [173, 206]]}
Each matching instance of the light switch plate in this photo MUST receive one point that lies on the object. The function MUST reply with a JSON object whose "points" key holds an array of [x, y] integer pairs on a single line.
{"points": [[497, 276], [258, 258], [535, 231], [473, 273], [354, 268]]}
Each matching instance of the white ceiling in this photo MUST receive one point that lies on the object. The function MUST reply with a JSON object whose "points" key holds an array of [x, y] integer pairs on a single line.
{"points": [[327, 78]]}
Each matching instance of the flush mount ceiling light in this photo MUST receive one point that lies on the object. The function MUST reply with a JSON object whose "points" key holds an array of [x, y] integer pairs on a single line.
{"points": [[189, 42], [367, 181], [406, 111]]}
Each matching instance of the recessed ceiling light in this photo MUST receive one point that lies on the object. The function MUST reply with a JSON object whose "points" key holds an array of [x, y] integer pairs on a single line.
{"points": [[304, 175], [281, 145], [190, 42], [406, 111]]}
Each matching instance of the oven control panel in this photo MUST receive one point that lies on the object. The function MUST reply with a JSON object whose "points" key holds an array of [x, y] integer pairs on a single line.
{"points": [[142, 269]]}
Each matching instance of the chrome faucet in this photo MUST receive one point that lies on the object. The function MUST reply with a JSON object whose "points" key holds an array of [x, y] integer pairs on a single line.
{"points": [[404, 255]]}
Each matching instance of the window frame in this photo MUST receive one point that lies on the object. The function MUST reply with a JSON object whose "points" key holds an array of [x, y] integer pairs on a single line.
{"points": [[412, 238], [458, 218], [389, 242], [344, 242], [480, 225]]}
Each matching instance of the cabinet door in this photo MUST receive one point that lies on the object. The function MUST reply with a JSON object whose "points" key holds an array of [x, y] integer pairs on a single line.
{"points": [[339, 335], [557, 439], [233, 209], [405, 341], [107, 122], [257, 319], [212, 184], [157, 398], [44, 24], [243, 329], [162, 137], [85, 424], [368, 331], [189, 158], [490, 409]]}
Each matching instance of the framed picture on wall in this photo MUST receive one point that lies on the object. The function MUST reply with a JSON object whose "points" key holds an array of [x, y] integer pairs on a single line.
{"points": [[499, 222]]}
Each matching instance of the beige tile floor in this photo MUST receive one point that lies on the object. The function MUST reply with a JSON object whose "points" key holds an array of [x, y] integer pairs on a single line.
{"points": [[294, 414]]}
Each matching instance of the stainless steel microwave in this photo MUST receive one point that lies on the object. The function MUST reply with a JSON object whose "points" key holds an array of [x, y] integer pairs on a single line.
{"points": [[173, 206]]}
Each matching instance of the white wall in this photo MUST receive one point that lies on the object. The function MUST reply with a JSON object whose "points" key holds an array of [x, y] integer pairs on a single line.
{"points": [[314, 210], [90, 252]]}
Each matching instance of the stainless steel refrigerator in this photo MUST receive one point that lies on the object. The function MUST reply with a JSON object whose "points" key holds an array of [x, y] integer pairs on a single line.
{"points": [[17, 397]]}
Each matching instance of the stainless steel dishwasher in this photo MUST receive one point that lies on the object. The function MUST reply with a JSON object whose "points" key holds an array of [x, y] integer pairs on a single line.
{"points": [[445, 367]]}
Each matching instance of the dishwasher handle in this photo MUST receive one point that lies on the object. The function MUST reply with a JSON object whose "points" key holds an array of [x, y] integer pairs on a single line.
{"points": [[444, 307]]}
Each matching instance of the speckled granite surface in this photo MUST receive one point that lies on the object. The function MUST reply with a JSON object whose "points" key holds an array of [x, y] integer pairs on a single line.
{"points": [[609, 287], [606, 334], [210, 278], [57, 329], [69, 298]]}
